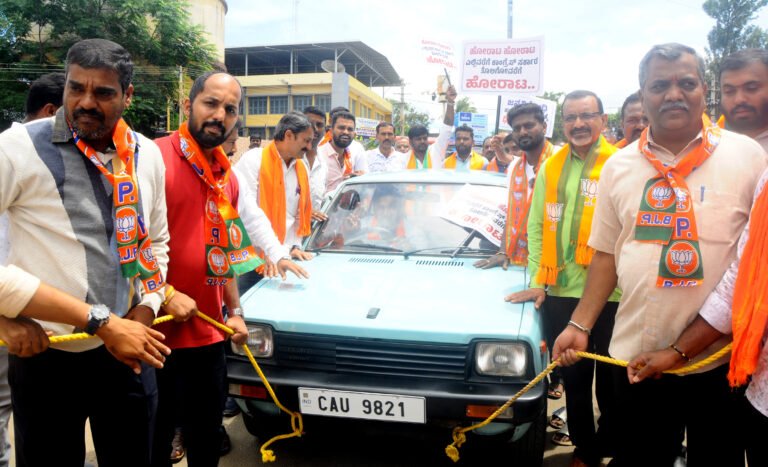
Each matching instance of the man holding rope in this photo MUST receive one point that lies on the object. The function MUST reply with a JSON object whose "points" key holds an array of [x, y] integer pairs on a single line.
{"points": [[666, 233]]}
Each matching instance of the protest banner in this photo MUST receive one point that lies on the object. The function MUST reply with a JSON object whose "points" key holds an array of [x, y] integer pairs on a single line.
{"points": [[502, 66], [438, 54], [366, 127], [510, 100], [478, 123], [481, 208]]}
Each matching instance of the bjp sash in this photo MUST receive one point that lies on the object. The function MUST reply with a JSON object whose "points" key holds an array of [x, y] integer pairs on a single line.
{"points": [[750, 296], [622, 143], [228, 248], [666, 212], [325, 139], [272, 193], [133, 241], [721, 121], [413, 163], [475, 161], [519, 204], [557, 171], [493, 166]]}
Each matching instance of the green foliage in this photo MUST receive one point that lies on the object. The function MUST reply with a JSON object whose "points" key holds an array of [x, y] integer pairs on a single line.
{"points": [[465, 105], [35, 37], [412, 117], [732, 31]]}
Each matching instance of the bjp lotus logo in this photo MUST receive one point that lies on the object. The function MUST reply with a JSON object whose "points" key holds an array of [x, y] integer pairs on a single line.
{"points": [[147, 258], [554, 214], [518, 180], [682, 259], [125, 223], [217, 261], [682, 199], [660, 195], [235, 235], [589, 191]]}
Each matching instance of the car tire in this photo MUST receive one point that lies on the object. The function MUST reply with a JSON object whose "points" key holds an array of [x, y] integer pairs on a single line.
{"points": [[266, 427], [529, 450]]}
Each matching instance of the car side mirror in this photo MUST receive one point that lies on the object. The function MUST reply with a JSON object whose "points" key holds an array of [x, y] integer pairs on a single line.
{"points": [[350, 200]]}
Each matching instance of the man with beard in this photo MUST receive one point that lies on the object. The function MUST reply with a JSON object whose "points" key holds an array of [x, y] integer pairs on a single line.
{"points": [[424, 156], [465, 158], [84, 195], [278, 181], [559, 223], [318, 169], [744, 94], [666, 228], [336, 154], [208, 249], [384, 158], [633, 120]]}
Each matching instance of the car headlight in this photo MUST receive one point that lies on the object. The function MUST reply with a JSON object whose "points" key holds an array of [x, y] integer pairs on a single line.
{"points": [[500, 359], [260, 342]]}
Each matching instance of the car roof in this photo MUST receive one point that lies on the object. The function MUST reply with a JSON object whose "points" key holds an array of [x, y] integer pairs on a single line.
{"points": [[475, 177]]}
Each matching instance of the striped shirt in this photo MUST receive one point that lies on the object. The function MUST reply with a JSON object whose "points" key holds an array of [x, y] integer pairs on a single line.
{"points": [[61, 217]]}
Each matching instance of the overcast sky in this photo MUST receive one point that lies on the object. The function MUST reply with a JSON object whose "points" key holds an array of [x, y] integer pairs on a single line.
{"points": [[588, 44]]}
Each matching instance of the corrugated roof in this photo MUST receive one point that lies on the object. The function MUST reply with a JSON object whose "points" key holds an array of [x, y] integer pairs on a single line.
{"points": [[361, 61]]}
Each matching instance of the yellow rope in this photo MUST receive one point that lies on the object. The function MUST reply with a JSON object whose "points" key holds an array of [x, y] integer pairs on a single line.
{"points": [[459, 436], [297, 423]]}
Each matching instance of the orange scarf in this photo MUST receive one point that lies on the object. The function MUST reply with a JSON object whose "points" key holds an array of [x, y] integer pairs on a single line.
{"points": [[493, 166], [518, 207], [475, 161], [721, 121], [621, 143], [666, 212], [272, 193], [554, 251], [325, 139], [750, 296], [228, 249], [132, 239], [414, 164]]}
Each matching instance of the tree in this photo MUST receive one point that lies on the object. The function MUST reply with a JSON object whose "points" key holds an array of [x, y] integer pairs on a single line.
{"points": [[412, 116], [730, 33], [35, 37], [465, 105]]}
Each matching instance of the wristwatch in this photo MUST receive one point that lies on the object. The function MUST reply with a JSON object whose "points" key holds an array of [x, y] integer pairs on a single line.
{"points": [[235, 312], [98, 316]]}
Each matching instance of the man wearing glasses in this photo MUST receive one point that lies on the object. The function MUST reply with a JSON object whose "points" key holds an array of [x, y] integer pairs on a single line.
{"points": [[559, 224]]}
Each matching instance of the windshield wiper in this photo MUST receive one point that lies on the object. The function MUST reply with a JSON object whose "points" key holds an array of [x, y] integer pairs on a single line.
{"points": [[357, 245], [443, 249]]}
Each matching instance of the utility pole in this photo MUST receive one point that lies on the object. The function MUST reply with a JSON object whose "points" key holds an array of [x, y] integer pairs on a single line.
{"points": [[402, 108], [509, 19], [181, 94]]}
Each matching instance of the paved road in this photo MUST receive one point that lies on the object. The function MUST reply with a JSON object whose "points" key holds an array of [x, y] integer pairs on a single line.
{"points": [[345, 444]]}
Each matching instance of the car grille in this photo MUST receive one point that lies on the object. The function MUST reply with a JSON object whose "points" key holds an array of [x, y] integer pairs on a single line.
{"points": [[371, 356]]}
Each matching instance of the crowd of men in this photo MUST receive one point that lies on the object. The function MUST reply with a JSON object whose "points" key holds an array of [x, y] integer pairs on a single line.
{"points": [[653, 250]]}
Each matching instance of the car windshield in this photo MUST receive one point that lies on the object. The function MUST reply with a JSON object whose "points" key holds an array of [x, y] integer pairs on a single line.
{"points": [[428, 218]]}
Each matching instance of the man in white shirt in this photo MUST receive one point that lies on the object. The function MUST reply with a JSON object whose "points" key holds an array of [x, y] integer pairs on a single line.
{"points": [[318, 168], [293, 136], [384, 158]]}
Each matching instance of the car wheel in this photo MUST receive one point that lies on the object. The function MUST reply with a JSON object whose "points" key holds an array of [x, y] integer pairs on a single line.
{"points": [[529, 450], [265, 427]]}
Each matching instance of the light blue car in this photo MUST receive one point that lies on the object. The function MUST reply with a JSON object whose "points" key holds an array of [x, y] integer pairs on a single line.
{"points": [[395, 324]]}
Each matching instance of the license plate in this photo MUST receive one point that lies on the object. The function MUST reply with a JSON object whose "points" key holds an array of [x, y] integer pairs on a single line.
{"points": [[365, 405]]}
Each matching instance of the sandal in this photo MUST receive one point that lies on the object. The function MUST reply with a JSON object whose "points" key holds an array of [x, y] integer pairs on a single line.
{"points": [[555, 391], [558, 418], [562, 437], [177, 447]]}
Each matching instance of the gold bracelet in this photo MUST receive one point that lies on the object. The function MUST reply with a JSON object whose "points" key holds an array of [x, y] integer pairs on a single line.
{"points": [[169, 293]]}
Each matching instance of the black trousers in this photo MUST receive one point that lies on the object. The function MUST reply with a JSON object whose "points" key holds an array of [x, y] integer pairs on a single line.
{"points": [[54, 392], [201, 374], [656, 411], [754, 428], [591, 443]]}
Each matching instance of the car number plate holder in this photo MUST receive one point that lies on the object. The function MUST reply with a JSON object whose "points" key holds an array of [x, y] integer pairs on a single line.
{"points": [[364, 405]]}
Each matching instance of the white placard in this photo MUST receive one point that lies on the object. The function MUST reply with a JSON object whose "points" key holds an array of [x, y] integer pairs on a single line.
{"points": [[365, 127], [499, 67], [480, 208], [510, 100], [438, 54]]}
